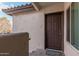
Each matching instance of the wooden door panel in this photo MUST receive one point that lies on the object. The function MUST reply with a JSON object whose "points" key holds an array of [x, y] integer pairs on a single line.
{"points": [[49, 29], [54, 31]]}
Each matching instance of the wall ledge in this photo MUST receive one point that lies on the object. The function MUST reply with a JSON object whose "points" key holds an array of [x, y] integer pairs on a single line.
{"points": [[72, 47]]}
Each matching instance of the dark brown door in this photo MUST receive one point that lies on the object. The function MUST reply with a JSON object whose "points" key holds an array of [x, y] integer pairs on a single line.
{"points": [[54, 31]]}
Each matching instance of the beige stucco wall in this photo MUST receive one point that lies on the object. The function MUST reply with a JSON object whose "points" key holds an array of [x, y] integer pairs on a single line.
{"points": [[68, 48], [33, 23]]}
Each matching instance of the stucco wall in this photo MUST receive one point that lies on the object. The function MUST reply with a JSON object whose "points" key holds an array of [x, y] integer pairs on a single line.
{"points": [[68, 48], [33, 23]]}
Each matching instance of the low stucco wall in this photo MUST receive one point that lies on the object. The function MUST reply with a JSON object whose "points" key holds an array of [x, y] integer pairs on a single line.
{"points": [[33, 23], [68, 48]]}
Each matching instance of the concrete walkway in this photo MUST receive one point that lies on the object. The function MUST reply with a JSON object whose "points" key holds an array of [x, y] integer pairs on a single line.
{"points": [[47, 52]]}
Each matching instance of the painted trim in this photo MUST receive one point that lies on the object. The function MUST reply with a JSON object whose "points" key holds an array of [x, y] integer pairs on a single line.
{"points": [[35, 6], [73, 47]]}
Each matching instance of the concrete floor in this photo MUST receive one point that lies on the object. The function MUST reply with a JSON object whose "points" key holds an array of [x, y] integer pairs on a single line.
{"points": [[47, 52]]}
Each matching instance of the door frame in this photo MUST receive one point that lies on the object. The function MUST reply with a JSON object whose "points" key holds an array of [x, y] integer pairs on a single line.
{"points": [[62, 27]]}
